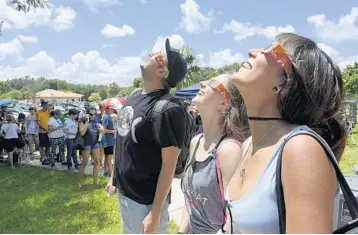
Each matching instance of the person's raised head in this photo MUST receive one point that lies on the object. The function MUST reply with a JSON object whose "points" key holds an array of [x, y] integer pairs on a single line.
{"points": [[218, 97], [296, 80], [164, 69]]}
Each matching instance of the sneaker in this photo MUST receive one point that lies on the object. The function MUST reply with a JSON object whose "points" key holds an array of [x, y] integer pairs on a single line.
{"points": [[64, 164], [77, 168]]}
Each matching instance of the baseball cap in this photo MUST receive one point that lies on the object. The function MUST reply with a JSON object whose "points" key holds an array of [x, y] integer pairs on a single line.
{"points": [[177, 66]]}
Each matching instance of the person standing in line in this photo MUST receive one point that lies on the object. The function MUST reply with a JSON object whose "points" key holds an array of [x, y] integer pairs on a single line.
{"points": [[90, 130], [70, 130], [42, 117], [11, 141], [56, 137], [32, 131], [108, 139], [99, 119], [146, 157]]}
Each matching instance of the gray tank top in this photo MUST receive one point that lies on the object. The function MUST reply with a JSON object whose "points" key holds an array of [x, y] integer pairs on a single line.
{"points": [[257, 211], [203, 194]]}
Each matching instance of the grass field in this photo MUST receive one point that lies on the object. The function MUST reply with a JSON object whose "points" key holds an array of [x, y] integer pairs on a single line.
{"points": [[38, 200]]}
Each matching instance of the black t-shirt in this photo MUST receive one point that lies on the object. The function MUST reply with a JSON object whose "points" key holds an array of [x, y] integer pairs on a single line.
{"points": [[138, 157], [92, 134]]}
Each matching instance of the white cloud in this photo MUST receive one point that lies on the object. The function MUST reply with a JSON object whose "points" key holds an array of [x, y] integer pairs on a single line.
{"points": [[65, 18], [41, 64], [143, 2], [61, 18], [329, 50], [107, 45], [88, 68], [176, 41], [28, 39], [193, 21], [95, 4], [345, 28], [111, 31], [12, 48], [220, 59], [342, 61], [245, 30]]}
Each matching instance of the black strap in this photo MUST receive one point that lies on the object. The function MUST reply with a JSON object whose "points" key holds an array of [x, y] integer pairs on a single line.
{"points": [[160, 104], [220, 140], [264, 118], [349, 197]]}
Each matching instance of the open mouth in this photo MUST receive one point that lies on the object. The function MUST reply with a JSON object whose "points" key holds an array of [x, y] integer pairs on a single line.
{"points": [[246, 65]]}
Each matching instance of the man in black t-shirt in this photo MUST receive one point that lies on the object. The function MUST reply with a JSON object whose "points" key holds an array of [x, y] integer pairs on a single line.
{"points": [[145, 157]]}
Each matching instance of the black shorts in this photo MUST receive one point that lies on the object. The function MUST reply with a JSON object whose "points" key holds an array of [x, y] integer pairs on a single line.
{"points": [[10, 144], [44, 140], [108, 150]]}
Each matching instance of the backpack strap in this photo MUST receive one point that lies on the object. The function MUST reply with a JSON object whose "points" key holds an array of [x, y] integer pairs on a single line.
{"points": [[349, 197], [160, 104], [135, 90]]}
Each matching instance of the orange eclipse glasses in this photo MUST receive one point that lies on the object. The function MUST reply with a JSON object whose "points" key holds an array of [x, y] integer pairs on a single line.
{"points": [[279, 54], [160, 59], [217, 85]]}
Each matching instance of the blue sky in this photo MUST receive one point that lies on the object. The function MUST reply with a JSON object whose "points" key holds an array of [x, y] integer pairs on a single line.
{"points": [[101, 41]]}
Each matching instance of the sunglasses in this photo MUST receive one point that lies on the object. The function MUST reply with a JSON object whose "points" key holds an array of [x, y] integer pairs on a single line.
{"points": [[217, 85], [160, 59], [279, 54]]}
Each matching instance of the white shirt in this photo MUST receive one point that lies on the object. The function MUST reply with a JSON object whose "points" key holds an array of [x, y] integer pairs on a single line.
{"points": [[54, 124], [72, 126], [10, 130]]}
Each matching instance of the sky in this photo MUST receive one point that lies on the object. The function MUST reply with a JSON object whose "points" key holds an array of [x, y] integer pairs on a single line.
{"points": [[103, 41]]}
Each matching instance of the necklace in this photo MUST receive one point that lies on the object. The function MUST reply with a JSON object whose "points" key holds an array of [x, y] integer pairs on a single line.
{"points": [[244, 158]]}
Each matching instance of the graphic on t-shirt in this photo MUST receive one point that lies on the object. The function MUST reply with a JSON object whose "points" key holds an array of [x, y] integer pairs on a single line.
{"points": [[134, 124], [125, 119]]}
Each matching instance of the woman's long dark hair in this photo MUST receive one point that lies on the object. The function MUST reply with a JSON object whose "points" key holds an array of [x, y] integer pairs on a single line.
{"points": [[314, 91]]}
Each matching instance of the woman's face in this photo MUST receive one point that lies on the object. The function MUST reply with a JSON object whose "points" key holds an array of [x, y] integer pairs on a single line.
{"points": [[91, 114], [212, 93], [261, 73]]}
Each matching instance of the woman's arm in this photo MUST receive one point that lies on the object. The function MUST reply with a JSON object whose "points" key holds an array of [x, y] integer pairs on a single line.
{"points": [[184, 224], [309, 186], [83, 128]]}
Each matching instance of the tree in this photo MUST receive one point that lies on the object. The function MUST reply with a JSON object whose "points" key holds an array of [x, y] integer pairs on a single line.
{"points": [[138, 82], [350, 79], [103, 93], [95, 97], [113, 89], [192, 61]]}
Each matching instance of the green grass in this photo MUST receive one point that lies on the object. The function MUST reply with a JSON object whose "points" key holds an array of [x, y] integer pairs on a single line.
{"points": [[39, 200], [350, 155]]}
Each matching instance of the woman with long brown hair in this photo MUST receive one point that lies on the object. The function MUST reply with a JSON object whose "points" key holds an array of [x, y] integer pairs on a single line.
{"points": [[291, 86]]}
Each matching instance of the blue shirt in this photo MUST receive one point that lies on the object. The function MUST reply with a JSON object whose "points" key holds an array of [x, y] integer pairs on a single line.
{"points": [[108, 139]]}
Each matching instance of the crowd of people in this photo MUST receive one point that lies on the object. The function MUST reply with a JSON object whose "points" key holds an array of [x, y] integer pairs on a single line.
{"points": [[56, 136], [281, 110]]}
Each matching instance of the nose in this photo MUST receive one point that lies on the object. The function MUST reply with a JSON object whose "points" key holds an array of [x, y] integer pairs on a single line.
{"points": [[203, 84]]}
